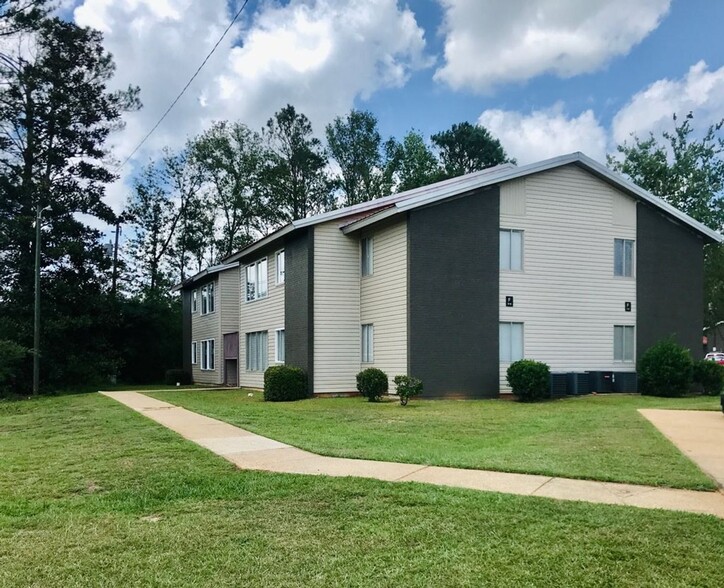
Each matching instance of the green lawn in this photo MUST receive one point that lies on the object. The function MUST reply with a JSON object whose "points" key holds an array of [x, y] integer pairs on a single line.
{"points": [[592, 437], [93, 494]]}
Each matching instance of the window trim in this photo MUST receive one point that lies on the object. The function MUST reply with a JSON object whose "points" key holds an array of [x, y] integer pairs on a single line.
{"points": [[194, 300], [208, 299], [248, 364], [256, 265], [208, 352], [623, 359], [370, 258], [283, 274], [510, 257], [194, 353], [522, 342], [370, 357], [277, 346], [632, 274]]}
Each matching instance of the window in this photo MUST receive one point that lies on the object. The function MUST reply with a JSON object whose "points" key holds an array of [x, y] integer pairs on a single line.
{"points": [[623, 343], [194, 300], [623, 253], [256, 280], [281, 268], [511, 250], [280, 355], [208, 301], [367, 258], [256, 351], [207, 354], [511, 342], [194, 350], [368, 347]]}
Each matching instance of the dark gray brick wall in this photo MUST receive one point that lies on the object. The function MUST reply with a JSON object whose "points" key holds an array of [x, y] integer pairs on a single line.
{"points": [[669, 282], [453, 251], [298, 302]]}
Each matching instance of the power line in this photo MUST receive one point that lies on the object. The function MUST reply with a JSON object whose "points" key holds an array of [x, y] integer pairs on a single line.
{"points": [[186, 87]]}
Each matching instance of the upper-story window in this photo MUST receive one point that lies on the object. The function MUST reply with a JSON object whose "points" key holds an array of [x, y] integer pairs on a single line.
{"points": [[511, 250], [208, 298], [367, 258], [256, 280], [623, 257], [194, 301], [281, 267]]}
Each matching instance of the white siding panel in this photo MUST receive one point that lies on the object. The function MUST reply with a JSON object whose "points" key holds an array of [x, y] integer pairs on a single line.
{"points": [[229, 282], [383, 301], [512, 198], [337, 345], [265, 314], [206, 327], [567, 296]]}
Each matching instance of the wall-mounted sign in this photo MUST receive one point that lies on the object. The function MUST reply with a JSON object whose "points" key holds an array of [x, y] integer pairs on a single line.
{"points": [[627, 306], [508, 301]]}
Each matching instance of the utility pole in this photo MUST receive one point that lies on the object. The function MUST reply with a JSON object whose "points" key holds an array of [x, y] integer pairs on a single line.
{"points": [[36, 325]]}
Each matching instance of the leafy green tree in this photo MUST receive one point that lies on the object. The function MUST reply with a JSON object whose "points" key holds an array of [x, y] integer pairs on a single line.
{"points": [[465, 148], [356, 145], [412, 163], [295, 178]]}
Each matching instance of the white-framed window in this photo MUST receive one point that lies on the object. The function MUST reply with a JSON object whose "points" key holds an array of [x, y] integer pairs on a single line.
{"points": [[208, 298], [257, 351], [194, 353], [280, 342], [511, 342], [624, 343], [281, 267], [623, 257], [367, 248], [256, 280], [511, 250], [207, 354], [368, 343], [194, 301]]}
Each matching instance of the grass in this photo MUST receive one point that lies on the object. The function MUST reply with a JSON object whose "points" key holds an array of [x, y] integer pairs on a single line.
{"points": [[592, 437], [93, 494]]}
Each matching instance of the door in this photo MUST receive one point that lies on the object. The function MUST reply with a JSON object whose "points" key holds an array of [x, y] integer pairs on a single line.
{"points": [[231, 359]]}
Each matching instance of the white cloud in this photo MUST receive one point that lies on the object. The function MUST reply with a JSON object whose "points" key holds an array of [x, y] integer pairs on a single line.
{"points": [[488, 42], [319, 55], [546, 133], [650, 110]]}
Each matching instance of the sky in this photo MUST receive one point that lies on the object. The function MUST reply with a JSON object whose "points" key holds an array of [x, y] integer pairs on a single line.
{"points": [[546, 77]]}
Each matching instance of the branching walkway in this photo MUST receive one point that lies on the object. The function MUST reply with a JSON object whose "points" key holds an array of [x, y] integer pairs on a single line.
{"points": [[254, 452]]}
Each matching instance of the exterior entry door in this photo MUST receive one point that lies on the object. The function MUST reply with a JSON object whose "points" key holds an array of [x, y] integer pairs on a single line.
{"points": [[231, 359]]}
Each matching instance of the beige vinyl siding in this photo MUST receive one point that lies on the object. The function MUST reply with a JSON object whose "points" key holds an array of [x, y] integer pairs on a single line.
{"points": [[229, 282], [265, 314], [567, 296], [205, 327], [383, 300], [337, 345]]}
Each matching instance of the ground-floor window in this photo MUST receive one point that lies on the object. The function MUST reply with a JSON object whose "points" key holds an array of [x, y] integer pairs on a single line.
{"points": [[257, 351], [280, 356], [623, 343], [368, 343], [511, 342], [207, 354], [194, 350]]}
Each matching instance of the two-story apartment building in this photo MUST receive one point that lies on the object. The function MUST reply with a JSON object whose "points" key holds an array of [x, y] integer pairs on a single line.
{"points": [[561, 261]]}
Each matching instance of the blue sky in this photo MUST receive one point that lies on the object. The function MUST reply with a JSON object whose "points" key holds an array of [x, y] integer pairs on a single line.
{"points": [[546, 76]]}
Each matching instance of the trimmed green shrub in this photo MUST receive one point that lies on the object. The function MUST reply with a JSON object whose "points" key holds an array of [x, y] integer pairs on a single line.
{"points": [[177, 376], [530, 380], [372, 384], [407, 387], [710, 375], [283, 383], [12, 356], [665, 370]]}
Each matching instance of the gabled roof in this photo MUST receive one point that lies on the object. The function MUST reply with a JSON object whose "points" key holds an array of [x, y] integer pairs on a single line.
{"points": [[504, 175]]}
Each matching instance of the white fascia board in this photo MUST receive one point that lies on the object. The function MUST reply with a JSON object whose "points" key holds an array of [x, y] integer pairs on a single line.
{"points": [[215, 269], [263, 242]]}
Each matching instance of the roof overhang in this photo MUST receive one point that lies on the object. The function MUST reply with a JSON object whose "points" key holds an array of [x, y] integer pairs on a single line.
{"points": [[209, 271]]}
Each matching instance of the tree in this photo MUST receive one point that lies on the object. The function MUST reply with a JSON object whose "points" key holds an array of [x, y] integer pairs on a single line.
{"points": [[231, 157], [412, 163], [21, 15], [466, 148], [355, 144], [688, 173], [295, 178]]}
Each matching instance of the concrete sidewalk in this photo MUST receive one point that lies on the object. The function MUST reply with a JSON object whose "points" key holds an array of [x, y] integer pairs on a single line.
{"points": [[254, 452], [699, 434]]}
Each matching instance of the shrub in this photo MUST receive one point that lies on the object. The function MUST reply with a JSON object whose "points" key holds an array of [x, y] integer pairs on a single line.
{"points": [[372, 383], [710, 375], [665, 370], [530, 380], [11, 360], [407, 387], [284, 383], [177, 376]]}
